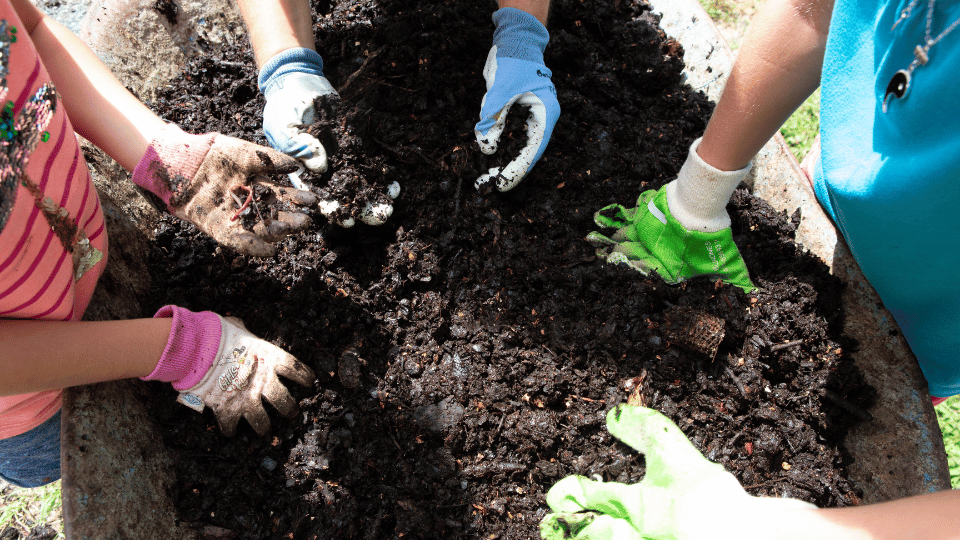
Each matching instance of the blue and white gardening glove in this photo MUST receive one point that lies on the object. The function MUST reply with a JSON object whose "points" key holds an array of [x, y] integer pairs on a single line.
{"points": [[515, 74], [291, 81]]}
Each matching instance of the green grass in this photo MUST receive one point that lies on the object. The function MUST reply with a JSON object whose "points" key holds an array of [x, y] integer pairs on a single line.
{"points": [[24, 509], [802, 127], [948, 414], [721, 11]]}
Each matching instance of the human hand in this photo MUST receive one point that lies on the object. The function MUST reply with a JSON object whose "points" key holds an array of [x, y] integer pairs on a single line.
{"points": [[680, 231], [515, 74], [215, 362], [683, 496], [291, 81], [209, 180], [294, 86]]}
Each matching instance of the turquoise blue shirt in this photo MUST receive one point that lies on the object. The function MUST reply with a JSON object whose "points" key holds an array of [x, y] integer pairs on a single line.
{"points": [[891, 181]]}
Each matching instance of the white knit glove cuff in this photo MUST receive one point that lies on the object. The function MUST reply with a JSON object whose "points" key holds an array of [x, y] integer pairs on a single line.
{"points": [[699, 195]]}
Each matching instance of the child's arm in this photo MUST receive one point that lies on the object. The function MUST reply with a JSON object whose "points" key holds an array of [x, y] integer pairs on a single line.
{"points": [[47, 355], [776, 69], [923, 517], [213, 361], [100, 108], [186, 171], [276, 26]]}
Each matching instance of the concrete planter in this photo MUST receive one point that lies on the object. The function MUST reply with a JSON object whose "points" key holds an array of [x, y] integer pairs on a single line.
{"points": [[117, 480]]}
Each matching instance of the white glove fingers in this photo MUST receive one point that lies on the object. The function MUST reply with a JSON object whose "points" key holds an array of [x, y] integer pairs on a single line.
{"points": [[272, 230], [295, 221], [296, 371], [299, 197], [373, 213], [279, 397], [376, 213], [227, 420], [329, 209], [249, 159], [248, 243], [508, 177], [491, 139], [257, 417], [310, 151]]}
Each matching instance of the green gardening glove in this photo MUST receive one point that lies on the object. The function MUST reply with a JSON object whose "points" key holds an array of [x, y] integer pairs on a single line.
{"points": [[683, 496], [680, 231]]}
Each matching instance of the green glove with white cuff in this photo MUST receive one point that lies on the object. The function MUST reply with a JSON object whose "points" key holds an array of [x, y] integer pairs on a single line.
{"points": [[683, 495], [680, 231]]}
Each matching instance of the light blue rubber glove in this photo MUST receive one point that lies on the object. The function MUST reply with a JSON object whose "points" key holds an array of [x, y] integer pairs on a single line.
{"points": [[515, 74], [290, 82]]}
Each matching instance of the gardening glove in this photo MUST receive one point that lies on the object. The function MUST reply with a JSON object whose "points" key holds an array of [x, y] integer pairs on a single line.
{"points": [[293, 84], [683, 496], [681, 230], [515, 74], [209, 180], [214, 361], [290, 82]]}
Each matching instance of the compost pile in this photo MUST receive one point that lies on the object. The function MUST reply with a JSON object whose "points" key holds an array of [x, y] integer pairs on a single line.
{"points": [[468, 349]]}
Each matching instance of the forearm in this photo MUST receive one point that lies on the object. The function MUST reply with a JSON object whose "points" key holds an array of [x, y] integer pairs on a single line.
{"points": [[277, 25], [776, 69], [101, 109], [923, 517], [47, 355], [538, 8]]}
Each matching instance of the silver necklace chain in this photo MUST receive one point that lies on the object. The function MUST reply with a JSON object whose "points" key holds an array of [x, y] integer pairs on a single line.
{"points": [[900, 82]]}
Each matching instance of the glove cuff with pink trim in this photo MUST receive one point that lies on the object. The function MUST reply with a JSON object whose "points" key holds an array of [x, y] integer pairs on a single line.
{"points": [[191, 348], [170, 163]]}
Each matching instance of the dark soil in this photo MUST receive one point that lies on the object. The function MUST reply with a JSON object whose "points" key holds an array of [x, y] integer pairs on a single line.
{"points": [[468, 349]]}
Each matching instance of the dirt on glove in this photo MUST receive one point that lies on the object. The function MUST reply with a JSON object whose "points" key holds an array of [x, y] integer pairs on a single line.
{"points": [[467, 350]]}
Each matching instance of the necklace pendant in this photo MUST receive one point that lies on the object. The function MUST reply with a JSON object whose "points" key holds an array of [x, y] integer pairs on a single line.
{"points": [[897, 87]]}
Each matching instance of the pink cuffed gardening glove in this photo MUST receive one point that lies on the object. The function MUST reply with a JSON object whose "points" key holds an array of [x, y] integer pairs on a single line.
{"points": [[215, 362], [209, 180]]}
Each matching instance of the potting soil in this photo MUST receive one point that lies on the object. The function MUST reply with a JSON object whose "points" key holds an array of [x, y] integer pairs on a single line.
{"points": [[468, 349]]}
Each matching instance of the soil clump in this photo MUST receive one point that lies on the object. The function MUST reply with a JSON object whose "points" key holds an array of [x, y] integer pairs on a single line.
{"points": [[468, 349]]}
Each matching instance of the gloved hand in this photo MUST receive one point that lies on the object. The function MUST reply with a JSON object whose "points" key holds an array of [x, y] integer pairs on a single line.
{"points": [[214, 361], [209, 180], [683, 496], [291, 81], [515, 74], [680, 231]]}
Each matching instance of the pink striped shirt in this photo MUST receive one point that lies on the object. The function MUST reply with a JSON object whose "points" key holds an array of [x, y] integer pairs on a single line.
{"points": [[53, 241]]}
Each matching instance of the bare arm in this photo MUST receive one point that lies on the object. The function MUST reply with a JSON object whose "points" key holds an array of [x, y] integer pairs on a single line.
{"points": [[538, 8], [777, 68], [933, 515], [47, 355], [100, 108], [277, 25]]}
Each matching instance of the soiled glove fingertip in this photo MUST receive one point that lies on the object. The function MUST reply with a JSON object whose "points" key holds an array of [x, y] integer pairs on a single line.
{"points": [[317, 164]]}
